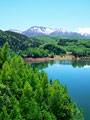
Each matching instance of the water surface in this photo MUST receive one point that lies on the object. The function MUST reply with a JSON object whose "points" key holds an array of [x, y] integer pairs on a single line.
{"points": [[76, 74]]}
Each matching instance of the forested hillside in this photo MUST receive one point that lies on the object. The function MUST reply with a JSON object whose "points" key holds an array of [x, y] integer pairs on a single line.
{"points": [[44, 46], [70, 36], [17, 41], [26, 94], [61, 47]]}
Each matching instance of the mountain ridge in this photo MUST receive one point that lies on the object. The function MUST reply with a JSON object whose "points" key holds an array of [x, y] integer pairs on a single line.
{"points": [[45, 31]]}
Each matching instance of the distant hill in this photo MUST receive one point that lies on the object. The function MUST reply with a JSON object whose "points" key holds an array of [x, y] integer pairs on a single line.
{"points": [[17, 35], [69, 36], [12, 40], [48, 39], [17, 41]]}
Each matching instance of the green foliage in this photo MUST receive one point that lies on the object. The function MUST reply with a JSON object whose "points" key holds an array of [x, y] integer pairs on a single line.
{"points": [[4, 54], [78, 48], [26, 94], [17, 41], [52, 48], [69, 36], [45, 46], [47, 39], [60, 102], [35, 53]]}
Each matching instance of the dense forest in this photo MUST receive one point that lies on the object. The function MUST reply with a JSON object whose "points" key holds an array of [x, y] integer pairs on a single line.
{"points": [[44, 46], [26, 94]]}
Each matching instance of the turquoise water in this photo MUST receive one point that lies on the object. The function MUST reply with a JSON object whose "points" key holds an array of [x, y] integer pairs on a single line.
{"points": [[76, 74]]}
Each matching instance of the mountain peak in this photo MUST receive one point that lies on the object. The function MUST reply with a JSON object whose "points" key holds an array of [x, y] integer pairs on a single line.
{"points": [[38, 30], [44, 31]]}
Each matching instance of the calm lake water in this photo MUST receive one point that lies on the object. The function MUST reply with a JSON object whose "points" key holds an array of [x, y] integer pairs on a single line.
{"points": [[76, 74]]}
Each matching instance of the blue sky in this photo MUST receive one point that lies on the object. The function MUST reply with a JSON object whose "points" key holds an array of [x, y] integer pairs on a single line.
{"points": [[22, 14]]}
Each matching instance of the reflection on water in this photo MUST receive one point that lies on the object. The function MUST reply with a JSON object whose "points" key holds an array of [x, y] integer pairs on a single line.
{"points": [[74, 63], [42, 65], [87, 66], [76, 74]]}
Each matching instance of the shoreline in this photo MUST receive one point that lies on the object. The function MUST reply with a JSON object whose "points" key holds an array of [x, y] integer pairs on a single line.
{"points": [[30, 59], [66, 57], [37, 59]]}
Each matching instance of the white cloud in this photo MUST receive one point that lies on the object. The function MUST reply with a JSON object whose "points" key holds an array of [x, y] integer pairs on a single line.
{"points": [[84, 30]]}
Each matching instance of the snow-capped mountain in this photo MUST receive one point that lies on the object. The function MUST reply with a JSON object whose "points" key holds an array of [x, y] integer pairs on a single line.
{"points": [[44, 31], [59, 31], [35, 31]]}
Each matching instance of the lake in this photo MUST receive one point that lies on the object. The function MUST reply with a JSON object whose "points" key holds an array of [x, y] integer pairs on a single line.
{"points": [[76, 74]]}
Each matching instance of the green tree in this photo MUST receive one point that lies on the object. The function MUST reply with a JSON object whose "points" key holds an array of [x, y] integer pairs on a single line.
{"points": [[4, 54], [60, 103], [26, 94], [29, 107]]}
